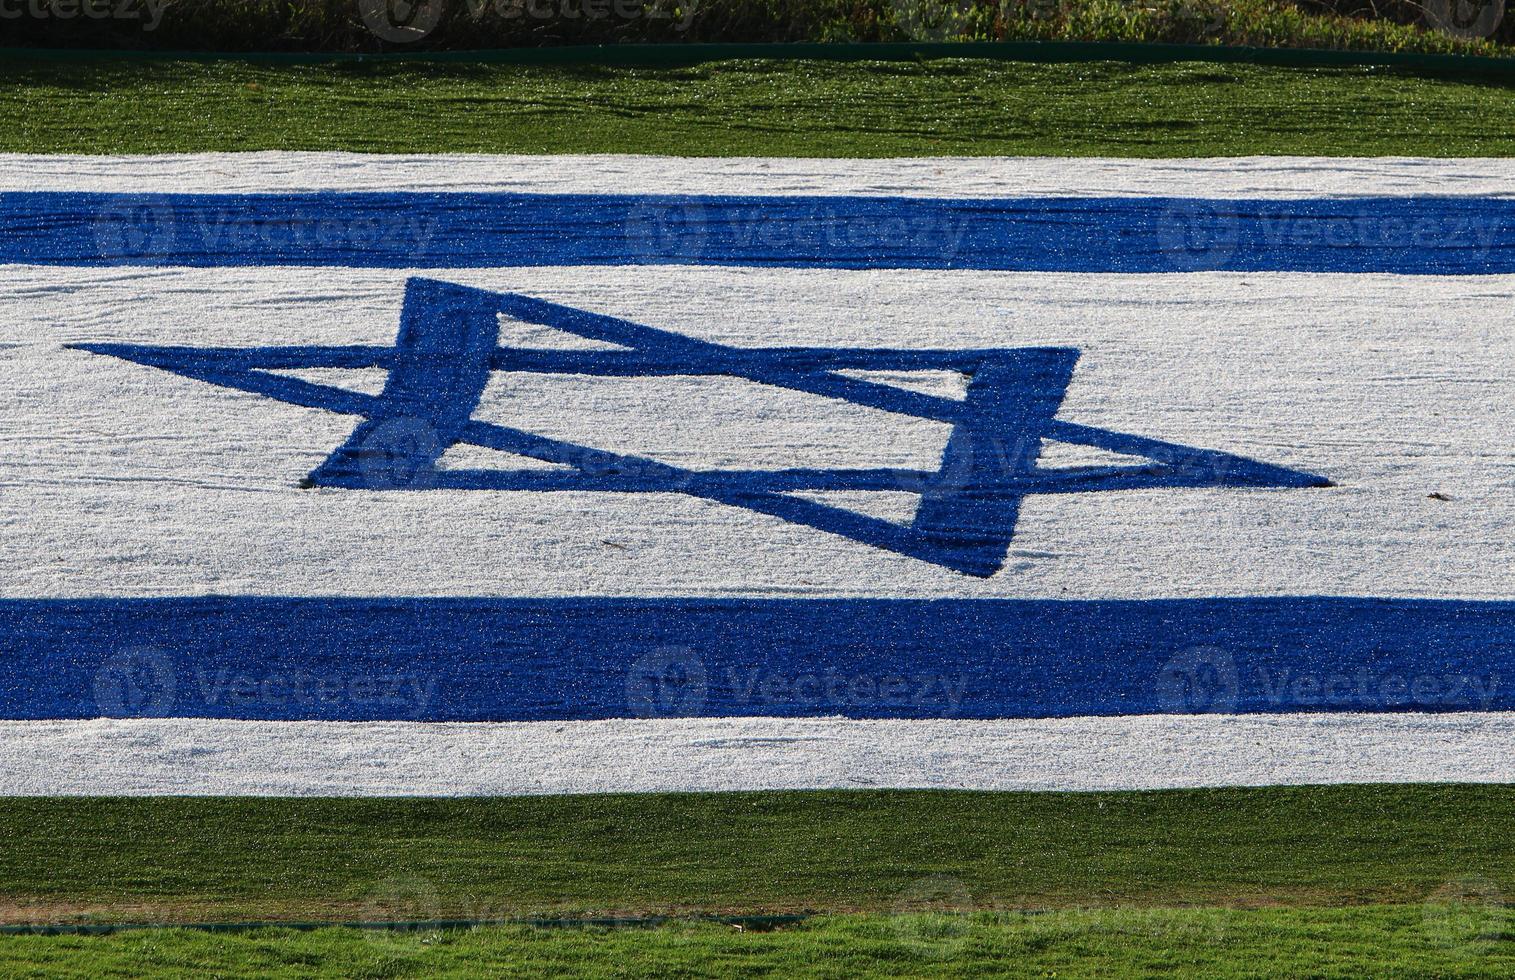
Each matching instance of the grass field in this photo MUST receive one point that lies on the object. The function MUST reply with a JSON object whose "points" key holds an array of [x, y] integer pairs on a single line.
{"points": [[1324, 881], [1451, 937], [779, 108], [198, 859]]}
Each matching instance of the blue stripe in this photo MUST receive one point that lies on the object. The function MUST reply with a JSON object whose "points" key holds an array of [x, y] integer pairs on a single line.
{"points": [[1453, 236], [542, 659]]}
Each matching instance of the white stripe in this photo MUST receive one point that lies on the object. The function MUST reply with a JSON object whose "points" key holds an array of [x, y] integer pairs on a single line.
{"points": [[959, 177], [176, 756], [120, 479]]}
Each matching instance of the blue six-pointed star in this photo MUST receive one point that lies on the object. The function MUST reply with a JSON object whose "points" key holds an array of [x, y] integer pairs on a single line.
{"points": [[449, 343]]}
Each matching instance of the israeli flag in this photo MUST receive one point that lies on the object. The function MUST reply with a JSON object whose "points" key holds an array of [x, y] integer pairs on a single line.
{"points": [[362, 475]]}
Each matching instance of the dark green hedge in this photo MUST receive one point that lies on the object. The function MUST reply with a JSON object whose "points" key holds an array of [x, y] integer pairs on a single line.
{"points": [[396, 25], [432, 25]]}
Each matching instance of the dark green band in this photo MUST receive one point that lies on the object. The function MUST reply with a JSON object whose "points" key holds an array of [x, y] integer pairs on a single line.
{"points": [[675, 55]]}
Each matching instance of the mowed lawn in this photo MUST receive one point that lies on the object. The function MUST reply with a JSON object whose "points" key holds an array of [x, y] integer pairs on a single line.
{"points": [[1325, 881], [1447, 938], [197, 859], [803, 108], [1319, 881]]}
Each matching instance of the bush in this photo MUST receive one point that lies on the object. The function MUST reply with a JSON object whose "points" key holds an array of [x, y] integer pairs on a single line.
{"points": [[431, 25]]}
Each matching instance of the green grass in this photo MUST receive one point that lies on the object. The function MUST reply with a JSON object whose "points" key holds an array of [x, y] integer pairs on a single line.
{"points": [[1460, 936], [178, 859], [780, 108]]}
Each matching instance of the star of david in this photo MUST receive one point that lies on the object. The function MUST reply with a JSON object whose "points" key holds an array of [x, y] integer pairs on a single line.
{"points": [[448, 344]]}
